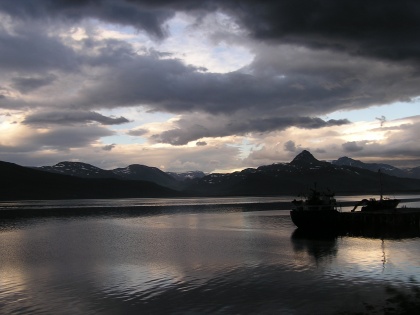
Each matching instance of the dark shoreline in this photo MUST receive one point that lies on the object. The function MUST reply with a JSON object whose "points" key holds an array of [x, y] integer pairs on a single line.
{"points": [[137, 210], [54, 211]]}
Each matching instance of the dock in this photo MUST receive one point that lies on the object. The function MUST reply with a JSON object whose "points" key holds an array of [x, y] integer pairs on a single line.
{"points": [[395, 218]]}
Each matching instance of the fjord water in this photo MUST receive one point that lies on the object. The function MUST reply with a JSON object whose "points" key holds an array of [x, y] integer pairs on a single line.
{"points": [[223, 261]]}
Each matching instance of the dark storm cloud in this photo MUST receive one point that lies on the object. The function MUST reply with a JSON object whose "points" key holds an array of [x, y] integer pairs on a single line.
{"points": [[190, 130], [7, 102], [170, 85], [28, 84], [71, 117], [186, 133], [379, 28], [137, 132], [134, 13], [279, 123], [31, 50], [60, 138], [290, 146], [64, 138], [109, 147], [352, 146], [321, 86], [280, 80], [284, 86]]}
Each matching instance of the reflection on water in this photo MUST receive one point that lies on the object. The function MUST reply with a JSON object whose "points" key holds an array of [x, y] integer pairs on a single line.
{"points": [[318, 246], [140, 202], [227, 262]]}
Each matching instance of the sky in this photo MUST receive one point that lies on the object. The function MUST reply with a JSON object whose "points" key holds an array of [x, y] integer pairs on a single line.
{"points": [[215, 86]]}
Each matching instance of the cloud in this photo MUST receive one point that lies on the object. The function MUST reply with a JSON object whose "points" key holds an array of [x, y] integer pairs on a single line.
{"points": [[137, 132], [401, 141], [28, 84], [290, 146], [64, 138], [170, 85], [314, 83], [181, 136], [139, 14], [320, 151], [59, 138], [71, 117], [378, 29], [60, 68], [194, 127], [283, 80], [31, 50], [109, 147], [352, 146]]}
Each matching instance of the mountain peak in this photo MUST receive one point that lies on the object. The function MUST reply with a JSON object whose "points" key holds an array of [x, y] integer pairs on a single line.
{"points": [[305, 157], [78, 169], [71, 164], [346, 159]]}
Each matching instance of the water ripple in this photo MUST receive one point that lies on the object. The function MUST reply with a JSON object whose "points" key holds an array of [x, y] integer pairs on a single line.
{"points": [[183, 263]]}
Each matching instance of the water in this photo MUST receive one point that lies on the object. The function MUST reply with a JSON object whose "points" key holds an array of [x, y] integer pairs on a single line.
{"points": [[140, 202], [223, 261]]}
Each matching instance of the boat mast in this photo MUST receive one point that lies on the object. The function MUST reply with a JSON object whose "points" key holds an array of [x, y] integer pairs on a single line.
{"points": [[380, 183]]}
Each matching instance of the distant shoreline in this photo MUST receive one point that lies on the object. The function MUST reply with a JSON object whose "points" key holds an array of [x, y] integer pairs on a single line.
{"points": [[55, 211], [138, 210]]}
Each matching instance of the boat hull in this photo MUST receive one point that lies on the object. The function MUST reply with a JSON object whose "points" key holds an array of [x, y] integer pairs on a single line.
{"points": [[315, 220], [333, 221], [381, 205]]}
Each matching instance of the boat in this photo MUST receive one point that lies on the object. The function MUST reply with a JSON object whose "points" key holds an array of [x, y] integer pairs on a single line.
{"points": [[374, 205], [320, 213], [318, 210]]}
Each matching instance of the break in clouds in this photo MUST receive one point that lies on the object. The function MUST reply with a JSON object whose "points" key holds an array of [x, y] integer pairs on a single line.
{"points": [[310, 59]]}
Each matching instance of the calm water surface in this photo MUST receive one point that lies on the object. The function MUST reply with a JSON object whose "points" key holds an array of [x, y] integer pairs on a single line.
{"points": [[225, 261]]}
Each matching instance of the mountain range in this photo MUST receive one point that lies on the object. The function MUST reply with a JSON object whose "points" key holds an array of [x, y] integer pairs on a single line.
{"points": [[18, 182], [80, 180], [132, 172], [385, 168], [301, 174]]}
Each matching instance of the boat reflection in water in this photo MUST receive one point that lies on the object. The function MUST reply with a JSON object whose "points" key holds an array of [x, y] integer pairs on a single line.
{"points": [[320, 246], [216, 259], [368, 254]]}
